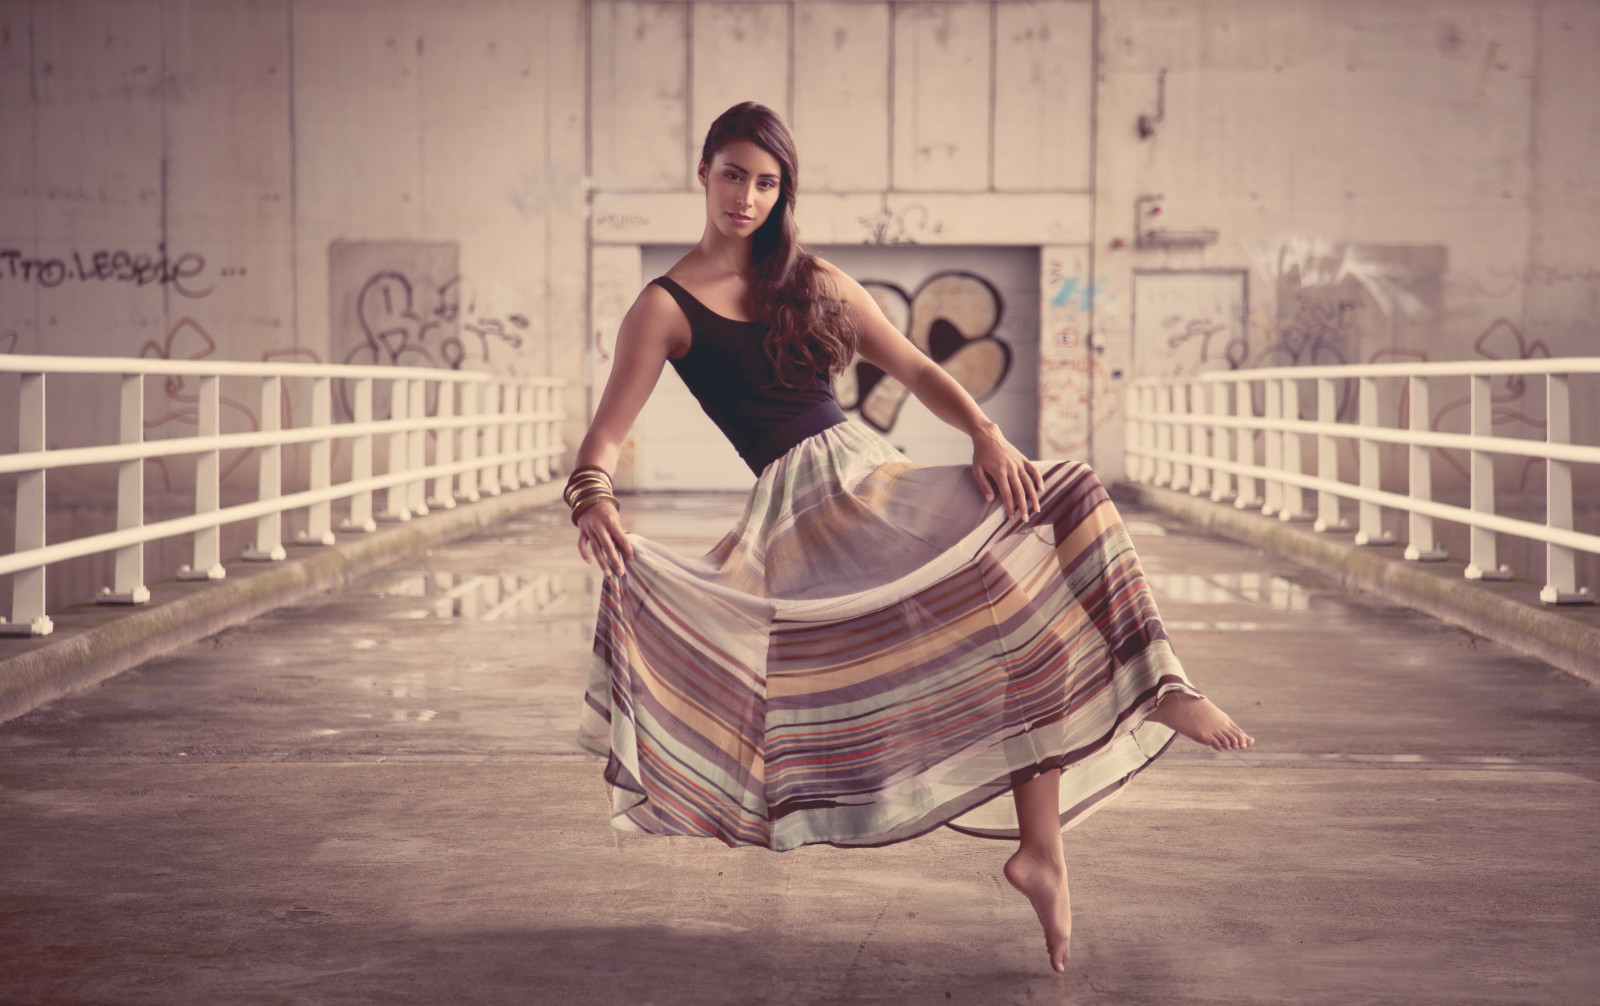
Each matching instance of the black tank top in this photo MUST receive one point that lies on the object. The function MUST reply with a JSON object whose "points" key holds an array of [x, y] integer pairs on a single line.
{"points": [[729, 374]]}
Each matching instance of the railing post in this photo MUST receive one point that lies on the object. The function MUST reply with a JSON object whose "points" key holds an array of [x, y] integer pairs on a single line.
{"points": [[394, 507], [127, 583], [488, 416], [510, 433], [1274, 416], [27, 585], [1421, 547], [1294, 496], [361, 460], [1369, 528], [444, 446], [471, 408], [1221, 445], [319, 516], [526, 436], [1182, 437], [1244, 399], [207, 564], [1560, 572], [1328, 516], [544, 429], [1199, 448], [268, 546], [417, 491], [1482, 564]]}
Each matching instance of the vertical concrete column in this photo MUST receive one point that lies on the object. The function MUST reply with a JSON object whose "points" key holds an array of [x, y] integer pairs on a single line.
{"points": [[444, 447], [1420, 544], [361, 458], [27, 585], [1328, 516], [127, 584], [394, 507], [1221, 443], [207, 564], [1482, 564], [417, 448], [1560, 572], [319, 515], [268, 546]]}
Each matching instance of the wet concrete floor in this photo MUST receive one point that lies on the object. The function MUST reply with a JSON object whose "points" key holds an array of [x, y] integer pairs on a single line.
{"points": [[375, 797]]}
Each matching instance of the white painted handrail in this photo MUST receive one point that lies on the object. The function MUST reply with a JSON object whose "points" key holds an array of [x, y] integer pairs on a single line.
{"points": [[1200, 434], [489, 433]]}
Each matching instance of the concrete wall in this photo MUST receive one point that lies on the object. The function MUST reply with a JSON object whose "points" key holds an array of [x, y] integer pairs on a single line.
{"points": [[958, 125], [387, 181], [248, 179], [1386, 181]]}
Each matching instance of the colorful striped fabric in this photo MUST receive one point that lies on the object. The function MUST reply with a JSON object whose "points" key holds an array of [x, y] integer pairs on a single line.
{"points": [[874, 651]]}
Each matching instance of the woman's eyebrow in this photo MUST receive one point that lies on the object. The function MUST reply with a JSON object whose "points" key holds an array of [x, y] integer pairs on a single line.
{"points": [[744, 170]]}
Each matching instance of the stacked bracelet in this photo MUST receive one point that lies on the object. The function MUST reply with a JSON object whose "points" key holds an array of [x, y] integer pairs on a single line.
{"points": [[587, 486]]}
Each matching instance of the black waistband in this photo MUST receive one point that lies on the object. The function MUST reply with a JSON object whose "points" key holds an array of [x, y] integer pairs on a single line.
{"points": [[807, 424]]}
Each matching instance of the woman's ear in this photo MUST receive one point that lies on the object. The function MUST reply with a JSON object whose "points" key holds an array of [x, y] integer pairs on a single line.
{"points": [[701, 172]]}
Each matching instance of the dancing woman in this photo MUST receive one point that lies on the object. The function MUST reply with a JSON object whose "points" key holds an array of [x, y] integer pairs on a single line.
{"points": [[877, 648]]}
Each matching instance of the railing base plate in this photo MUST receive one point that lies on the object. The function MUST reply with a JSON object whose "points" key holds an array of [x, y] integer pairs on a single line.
{"points": [[214, 573], [274, 554], [41, 626], [359, 527], [1415, 554], [1549, 595], [138, 595], [1479, 573]]}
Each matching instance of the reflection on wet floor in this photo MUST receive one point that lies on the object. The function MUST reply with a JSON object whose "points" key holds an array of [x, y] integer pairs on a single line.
{"points": [[1230, 588], [480, 598]]}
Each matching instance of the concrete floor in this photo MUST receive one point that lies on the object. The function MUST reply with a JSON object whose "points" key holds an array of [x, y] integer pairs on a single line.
{"points": [[375, 797]]}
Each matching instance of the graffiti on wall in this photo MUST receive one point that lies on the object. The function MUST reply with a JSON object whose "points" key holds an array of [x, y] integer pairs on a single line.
{"points": [[399, 304], [903, 226], [183, 274], [1076, 394], [952, 318]]}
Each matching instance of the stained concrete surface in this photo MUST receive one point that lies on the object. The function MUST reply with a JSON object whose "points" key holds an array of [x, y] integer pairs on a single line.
{"points": [[375, 797]]}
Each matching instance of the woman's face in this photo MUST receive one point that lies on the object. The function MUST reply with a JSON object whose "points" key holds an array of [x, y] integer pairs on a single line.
{"points": [[742, 185]]}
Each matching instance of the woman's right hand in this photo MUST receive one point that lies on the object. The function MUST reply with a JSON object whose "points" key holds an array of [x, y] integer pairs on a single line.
{"points": [[601, 537]]}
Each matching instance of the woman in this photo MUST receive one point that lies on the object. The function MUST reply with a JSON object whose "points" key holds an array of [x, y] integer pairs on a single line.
{"points": [[877, 648]]}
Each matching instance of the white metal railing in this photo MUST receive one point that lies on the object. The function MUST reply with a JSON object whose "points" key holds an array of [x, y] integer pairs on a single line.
{"points": [[490, 433], [1200, 434]]}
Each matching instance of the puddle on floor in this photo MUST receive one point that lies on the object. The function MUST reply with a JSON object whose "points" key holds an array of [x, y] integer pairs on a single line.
{"points": [[1231, 588], [483, 598]]}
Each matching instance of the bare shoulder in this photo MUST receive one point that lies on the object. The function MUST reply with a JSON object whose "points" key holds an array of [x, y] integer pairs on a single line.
{"points": [[844, 287], [656, 317]]}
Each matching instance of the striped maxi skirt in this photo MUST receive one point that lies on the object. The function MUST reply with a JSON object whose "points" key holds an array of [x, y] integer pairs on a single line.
{"points": [[874, 651]]}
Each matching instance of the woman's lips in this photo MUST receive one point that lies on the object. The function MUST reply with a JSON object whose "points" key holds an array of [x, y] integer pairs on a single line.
{"points": [[739, 218]]}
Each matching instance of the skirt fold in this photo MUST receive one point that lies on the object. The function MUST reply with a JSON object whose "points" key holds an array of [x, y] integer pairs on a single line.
{"points": [[874, 651]]}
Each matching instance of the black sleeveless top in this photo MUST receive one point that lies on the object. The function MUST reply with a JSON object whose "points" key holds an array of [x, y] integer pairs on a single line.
{"points": [[729, 374]]}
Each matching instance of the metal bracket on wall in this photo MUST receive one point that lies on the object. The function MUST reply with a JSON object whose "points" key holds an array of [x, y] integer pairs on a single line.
{"points": [[1156, 237]]}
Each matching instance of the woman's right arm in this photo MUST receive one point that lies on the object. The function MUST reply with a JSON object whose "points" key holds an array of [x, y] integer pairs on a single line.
{"points": [[652, 329]]}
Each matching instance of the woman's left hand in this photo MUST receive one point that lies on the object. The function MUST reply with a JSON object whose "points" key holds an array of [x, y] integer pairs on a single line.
{"points": [[1001, 469]]}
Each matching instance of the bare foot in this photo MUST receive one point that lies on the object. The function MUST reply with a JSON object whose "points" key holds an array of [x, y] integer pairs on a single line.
{"points": [[1202, 722], [1044, 884]]}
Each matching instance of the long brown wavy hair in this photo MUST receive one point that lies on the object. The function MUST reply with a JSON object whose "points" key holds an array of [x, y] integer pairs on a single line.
{"points": [[810, 331]]}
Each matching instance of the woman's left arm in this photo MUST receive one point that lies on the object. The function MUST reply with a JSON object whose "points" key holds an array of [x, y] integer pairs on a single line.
{"points": [[999, 468]]}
